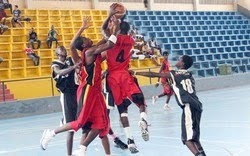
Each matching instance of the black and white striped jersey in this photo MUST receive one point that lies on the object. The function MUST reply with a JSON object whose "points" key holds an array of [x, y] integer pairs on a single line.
{"points": [[183, 85]]}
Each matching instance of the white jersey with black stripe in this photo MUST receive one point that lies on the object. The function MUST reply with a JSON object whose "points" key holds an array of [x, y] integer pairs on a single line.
{"points": [[184, 87]]}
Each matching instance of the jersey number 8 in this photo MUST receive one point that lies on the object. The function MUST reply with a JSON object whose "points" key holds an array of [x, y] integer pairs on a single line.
{"points": [[187, 85]]}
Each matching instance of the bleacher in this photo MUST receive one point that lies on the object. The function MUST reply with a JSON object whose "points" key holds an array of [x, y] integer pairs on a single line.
{"points": [[17, 65], [211, 38]]}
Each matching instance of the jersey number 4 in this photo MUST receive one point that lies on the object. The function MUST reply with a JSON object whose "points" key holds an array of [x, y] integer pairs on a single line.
{"points": [[187, 85], [120, 56]]}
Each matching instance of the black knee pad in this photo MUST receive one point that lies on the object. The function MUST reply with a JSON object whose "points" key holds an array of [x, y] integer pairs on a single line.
{"points": [[138, 98], [123, 106]]}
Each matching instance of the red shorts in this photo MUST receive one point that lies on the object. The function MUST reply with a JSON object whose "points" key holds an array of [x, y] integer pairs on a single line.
{"points": [[2, 15], [91, 108], [167, 89], [122, 85]]}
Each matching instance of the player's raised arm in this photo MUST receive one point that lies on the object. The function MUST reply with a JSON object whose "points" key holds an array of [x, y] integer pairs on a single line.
{"points": [[151, 74], [63, 72], [109, 44], [112, 12], [73, 51]]}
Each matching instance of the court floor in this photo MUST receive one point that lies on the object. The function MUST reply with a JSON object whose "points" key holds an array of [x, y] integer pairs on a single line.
{"points": [[225, 129]]}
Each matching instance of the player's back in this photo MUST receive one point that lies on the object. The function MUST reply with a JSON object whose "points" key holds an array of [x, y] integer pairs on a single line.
{"points": [[184, 88], [118, 57]]}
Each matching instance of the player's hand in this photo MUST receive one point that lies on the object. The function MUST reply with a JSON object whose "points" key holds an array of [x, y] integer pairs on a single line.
{"points": [[112, 10], [86, 22], [157, 84], [115, 26]]}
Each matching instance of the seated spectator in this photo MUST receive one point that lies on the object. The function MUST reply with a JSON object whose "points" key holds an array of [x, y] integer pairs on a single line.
{"points": [[1, 60], [6, 4], [33, 39], [3, 15], [133, 32], [52, 37], [3, 28], [31, 54], [137, 54], [16, 17], [154, 46], [149, 53]]}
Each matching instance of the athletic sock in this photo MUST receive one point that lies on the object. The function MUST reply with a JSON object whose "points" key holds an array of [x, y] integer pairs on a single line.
{"points": [[83, 147], [128, 133], [113, 136], [143, 116]]}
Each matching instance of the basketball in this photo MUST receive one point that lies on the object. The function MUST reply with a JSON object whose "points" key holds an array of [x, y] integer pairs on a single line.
{"points": [[121, 11]]}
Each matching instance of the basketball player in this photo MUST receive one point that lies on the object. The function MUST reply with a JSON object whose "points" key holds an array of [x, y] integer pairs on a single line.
{"points": [[92, 111], [167, 90], [122, 83], [184, 88], [64, 75]]}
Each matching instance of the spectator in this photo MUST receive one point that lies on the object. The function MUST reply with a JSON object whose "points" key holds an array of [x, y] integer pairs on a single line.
{"points": [[52, 37], [31, 54], [1, 60], [133, 32], [33, 39], [149, 53], [154, 46], [16, 17], [3, 28], [3, 14], [6, 4], [145, 3]]}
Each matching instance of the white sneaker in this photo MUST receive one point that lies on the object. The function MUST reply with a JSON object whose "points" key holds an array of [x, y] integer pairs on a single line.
{"points": [[132, 147], [47, 136], [154, 98], [167, 107], [81, 151], [144, 129]]}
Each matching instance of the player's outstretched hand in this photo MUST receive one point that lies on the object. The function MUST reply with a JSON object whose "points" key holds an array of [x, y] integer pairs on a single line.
{"points": [[112, 10], [86, 22], [115, 26]]}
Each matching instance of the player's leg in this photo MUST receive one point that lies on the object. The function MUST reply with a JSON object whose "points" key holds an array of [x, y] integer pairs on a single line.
{"points": [[167, 106], [49, 42], [70, 137], [123, 111], [106, 145]]}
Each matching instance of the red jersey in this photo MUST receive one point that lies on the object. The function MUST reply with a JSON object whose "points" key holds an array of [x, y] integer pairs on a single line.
{"points": [[166, 66], [118, 57], [91, 74]]}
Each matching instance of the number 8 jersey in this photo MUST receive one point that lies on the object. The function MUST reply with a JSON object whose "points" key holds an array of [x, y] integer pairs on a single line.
{"points": [[183, 85], [118, 57]]}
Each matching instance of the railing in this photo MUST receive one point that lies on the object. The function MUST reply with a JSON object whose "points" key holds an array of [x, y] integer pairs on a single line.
{"points": [[51, 86], [28, 79], [223, 2]]}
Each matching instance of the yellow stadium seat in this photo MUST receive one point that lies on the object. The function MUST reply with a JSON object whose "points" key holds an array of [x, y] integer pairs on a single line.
{"points": [[4, 47], [75, 12], [104, 12], [46, 70], [30, 12], [77, 18], [67, 31], [32, 72], [19, 39], [43, 13], [17, 63], [86, 13], [5, 55], [45, 53], [4, 73], [18, 46], [18, 32], [68, 37], [5, 63], [97, 18], [54, 13], [56, 24], [65, 13], [66, 24], [18, 54], [5, 39], [66, 18], [55, 18], [95, 12], [17, 73], [134, 64]]}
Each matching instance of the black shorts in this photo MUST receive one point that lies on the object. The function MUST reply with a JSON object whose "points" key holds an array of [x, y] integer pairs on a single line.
{"points": [[69, 106], [190, 124]]}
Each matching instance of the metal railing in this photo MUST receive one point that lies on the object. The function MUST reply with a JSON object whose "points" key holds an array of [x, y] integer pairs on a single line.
{"points": [[27, 79], [52, 81]]}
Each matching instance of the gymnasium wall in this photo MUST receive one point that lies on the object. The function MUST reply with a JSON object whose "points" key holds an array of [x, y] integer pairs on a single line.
{"points": [[167, 5]]}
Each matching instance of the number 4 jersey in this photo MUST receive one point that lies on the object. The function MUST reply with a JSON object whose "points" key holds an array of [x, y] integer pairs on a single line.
{"points": [[184, 87], [118, 57]]}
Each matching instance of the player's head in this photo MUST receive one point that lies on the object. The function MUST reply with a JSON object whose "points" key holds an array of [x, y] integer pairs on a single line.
{"points": [[82, 42], [165, 55], [125, 27], [61, 53], [184, 62]]}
